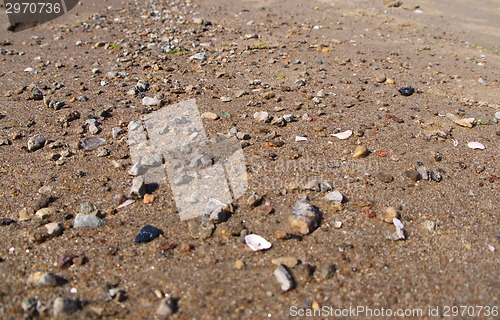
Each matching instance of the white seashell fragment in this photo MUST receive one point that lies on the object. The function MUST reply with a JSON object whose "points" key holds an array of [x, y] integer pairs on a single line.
{"points": [[476, 145], [126, 203], [400, 234], [29, 70], [398, 223], [257, 243], [297, 138], [343, 135]]}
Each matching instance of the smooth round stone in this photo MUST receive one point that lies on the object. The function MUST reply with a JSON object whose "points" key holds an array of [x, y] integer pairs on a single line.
{"points": [[147, 234], [36, 142]]}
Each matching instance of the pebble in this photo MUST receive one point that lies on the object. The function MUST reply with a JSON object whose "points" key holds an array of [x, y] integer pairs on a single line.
{"points": [[42, 202], [64, 306], [243, 136], [147, 101], [384, 177], [147, 234], [136, 169], [103, 152], [284, 277], [209, 116], [334, 196], [312, 185], [167, 307], [304, 217], [137, 188], [201, 229], [148, 198], [44, 279], [429, 225], [389, 214], [261, 116], [413, 175], [54, 229], [254, 200], [289, 261], [497, 115], [26, 214], [201, 56], [360, 152], [435, 176], [46, 213], [423, 172], [92, 143], [239, 264], [379, 77], [36, 142], [324, 272], [406, 91], [88, 221]]}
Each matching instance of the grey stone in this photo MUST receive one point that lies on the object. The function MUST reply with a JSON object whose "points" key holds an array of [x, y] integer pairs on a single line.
{"points": [[167, 307], [148, 101], [334, 196], [64, 306], [138, 187], [88, 221], [36, 142], [201, 56], [201, 229], [116, 131], [44, 279]]}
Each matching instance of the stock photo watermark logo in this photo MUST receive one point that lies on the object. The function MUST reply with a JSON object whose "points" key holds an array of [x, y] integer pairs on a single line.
{"points": [[25, 14], [205, 175]]}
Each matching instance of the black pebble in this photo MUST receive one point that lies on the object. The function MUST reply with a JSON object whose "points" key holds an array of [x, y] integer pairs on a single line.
{"points": [[147, 233], [406, 91]]}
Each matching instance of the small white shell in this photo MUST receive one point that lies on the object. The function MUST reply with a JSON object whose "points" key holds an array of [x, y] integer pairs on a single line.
{"points": [[29, 70], [257, 243], [476, 145], [343, 135], [297, 138], [398, 223]]}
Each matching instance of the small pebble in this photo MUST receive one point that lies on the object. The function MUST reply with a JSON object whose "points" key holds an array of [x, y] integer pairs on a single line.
{"points": [[209, 116], [54, 229], [36, 142], [304, 217], [413, 175], [44, 279], [63, 307], [166, 308], [88, 221], [334, 196], [384, 177], [239, 264], [147, 234], [284, 277], [360, 152], [289, 261], [389, 214], [46, 213]]}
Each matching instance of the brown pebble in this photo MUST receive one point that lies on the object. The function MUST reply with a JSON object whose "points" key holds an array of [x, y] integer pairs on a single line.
{"points": [[65, 260], [389, 214], [280, 234], [239, 264], [379, 77], [360, 152], [186, 247], [384, 177], [413, 175], [148, 198]]}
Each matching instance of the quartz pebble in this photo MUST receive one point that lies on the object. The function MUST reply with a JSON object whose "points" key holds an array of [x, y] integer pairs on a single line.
{"points": [[389, 214], [284, 277], [88, 221], [209, 116], [46, 213], [304, 217], [334, 196]]}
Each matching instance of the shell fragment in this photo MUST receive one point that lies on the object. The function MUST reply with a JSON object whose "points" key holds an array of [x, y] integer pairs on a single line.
{"points": [[476, 145], [343, 135], [257, 243]]}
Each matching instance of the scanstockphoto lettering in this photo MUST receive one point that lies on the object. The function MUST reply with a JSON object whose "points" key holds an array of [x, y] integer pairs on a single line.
{"points": [[354, 311], [25, 14]]}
